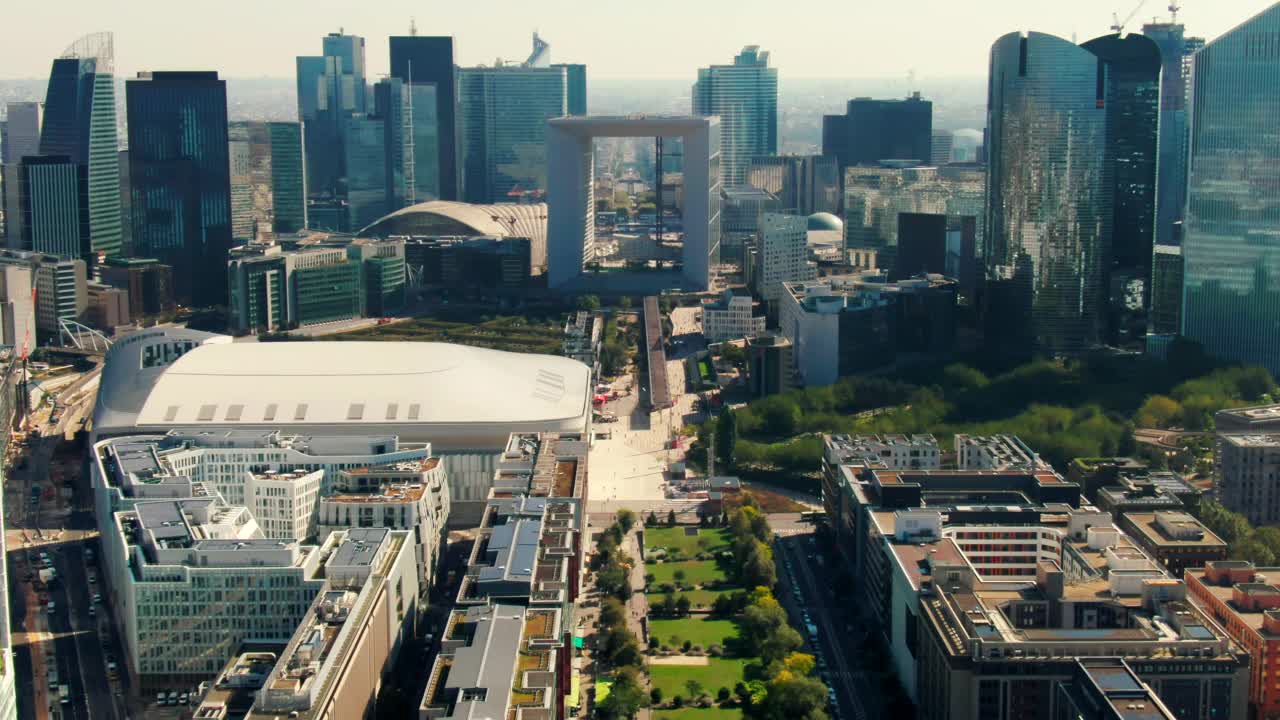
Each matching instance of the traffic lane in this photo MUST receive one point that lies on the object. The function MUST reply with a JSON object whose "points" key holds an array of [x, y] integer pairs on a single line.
{"points": [[97, 687], [848, 694], [68, 666], [70, 576], [25, 677]]}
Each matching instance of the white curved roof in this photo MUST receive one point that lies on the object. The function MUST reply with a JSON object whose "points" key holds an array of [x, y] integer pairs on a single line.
{"points": [[498, 220], [432, 389]]}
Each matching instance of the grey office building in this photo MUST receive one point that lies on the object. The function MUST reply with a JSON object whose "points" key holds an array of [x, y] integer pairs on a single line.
{"points": [[803, 184], [871, 131], [745, 97], [268, 185], [1171, 173], [331, 89], [502, 124]]}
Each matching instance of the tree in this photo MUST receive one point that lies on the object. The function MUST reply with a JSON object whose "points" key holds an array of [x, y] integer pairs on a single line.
{"points": [[614, 580], [655, 696], [1159, 411], [726, 439], [791, 696], [626, 697], [667, 606], [683, 605], [612, 612], [779, 643], [695, 689], [626, 520], [678, 576], [733, 354], [624, 302], [723, 695], [671, 518], [590, 303]]}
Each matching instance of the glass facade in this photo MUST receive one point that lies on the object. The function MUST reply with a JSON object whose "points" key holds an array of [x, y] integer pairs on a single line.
{"points": [[412, 142], [1049, 196], [288, 181], [804, 184], [331, 89], [874, 130], [268, 191], [1132, 69], [745, 96], [1171, 173], [1231, 241], [366, 161], [80, 124], [53, 206], [384, 285], [422, 60], [325, 293], [502, 121], [1166, 290], [180, 193]]}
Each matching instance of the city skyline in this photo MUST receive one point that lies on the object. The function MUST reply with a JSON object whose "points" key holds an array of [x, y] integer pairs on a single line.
{"points": [[954, 44]]}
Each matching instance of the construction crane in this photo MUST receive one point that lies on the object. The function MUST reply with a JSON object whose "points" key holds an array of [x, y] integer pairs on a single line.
{"points": [[1173, 13], [1117, 26]]}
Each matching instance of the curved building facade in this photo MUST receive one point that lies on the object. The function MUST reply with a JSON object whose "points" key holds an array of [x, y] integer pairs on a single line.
{"points": [[1048, 229], [459, 219], [1231, 241]]}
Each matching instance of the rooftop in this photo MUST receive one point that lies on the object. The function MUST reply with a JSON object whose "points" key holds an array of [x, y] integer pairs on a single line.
{"points": [[1251, 440], [1173, 530]]}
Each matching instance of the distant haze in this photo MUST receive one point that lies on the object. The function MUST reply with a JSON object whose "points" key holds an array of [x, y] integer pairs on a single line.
{"points": [[651, 39]]}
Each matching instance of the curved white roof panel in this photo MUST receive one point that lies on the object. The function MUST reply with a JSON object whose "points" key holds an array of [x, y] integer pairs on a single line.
{"points": [[446, 217], [452, 395]]}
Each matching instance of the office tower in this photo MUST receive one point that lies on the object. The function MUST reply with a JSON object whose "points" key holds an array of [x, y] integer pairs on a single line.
{"points": [[429, 61], [942, 144], [502, 123], [365, 156], [874, 130], [268, 187], [17, 306], [179, 176], [1132, 99], [126, 211], [576, 76], [1049, 197], [331, 89], [745, 96], [54, 214], [1230, 302], [1171, 174], [22, 131], [412, 145], [784, 254], [1166, 290], [804, 184], [80, 124]]}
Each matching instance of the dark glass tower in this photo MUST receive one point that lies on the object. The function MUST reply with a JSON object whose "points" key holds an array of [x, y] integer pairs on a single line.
{"points": [[1171, 175], [55, 213], [80, 125], [412, 143], [1131, 71], [1048, 229], [875, 130], [576, 77], [180, 177], [1231, 240], [429, 60], [331, 89]]}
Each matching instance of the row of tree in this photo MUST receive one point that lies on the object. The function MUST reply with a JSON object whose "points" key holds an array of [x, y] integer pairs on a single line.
{"points": [[1261, 546], [618, 649], [753, 558]]}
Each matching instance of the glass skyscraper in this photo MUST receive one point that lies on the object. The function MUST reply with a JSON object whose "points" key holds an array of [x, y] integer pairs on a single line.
{"points": [[80, 124], [745, 96], [1231, 241], [331, 89], [871, 131], [366, 161], [268, 190], [54, 212], [1132, 66], [502, 121], [804, 184], [412, 141], [180, 181], [1049, 197], [428, 61], [1171, 174]]}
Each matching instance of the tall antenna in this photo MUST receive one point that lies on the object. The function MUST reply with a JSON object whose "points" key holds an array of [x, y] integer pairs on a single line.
{"points": [[1173, 12], [413, 27]]}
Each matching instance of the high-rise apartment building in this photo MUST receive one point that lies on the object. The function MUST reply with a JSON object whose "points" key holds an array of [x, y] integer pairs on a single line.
{"points": [[331, 89], [502, 126], [268, 186], [1132, 100], [80, 125], [1230, 304], [428, 61], [1171, 173], [803, 184], [1248, 475], [745, 96], [783, 254], [1049, 196], [871, 131], [180, 179]]}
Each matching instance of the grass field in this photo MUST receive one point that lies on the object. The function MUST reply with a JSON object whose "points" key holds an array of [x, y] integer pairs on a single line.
{"points": [[697, 630], [717, 673], [688, 713], [674, 538], [503, 332], [699, 598], [696, 572]]}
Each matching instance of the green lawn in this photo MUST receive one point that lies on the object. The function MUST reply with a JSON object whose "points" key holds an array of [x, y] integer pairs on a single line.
{"points": [[690, 713], [699, 598], [697, 630], [674, 538], [696, 572], [718, 673], [502, 332]]}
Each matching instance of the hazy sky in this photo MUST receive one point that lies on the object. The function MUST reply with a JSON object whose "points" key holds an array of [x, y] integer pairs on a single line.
{"points": [[615, 38]]}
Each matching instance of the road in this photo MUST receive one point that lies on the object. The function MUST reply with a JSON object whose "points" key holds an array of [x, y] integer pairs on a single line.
{"points": [[854, 693]]}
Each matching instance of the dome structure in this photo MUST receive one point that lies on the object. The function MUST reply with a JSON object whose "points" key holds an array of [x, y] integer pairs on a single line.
{"points": [[825, 221]]}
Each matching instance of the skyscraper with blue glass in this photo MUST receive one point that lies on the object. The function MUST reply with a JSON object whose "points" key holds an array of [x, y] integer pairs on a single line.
{"points": [[331, 89], [1171, 182], [428, 61], [1049, 196], [745, 96], [80, 126], [180, 180], [1231, 240]]}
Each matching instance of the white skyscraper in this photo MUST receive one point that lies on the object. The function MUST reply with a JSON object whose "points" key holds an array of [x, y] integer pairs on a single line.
{"points": [[745, 96]]}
